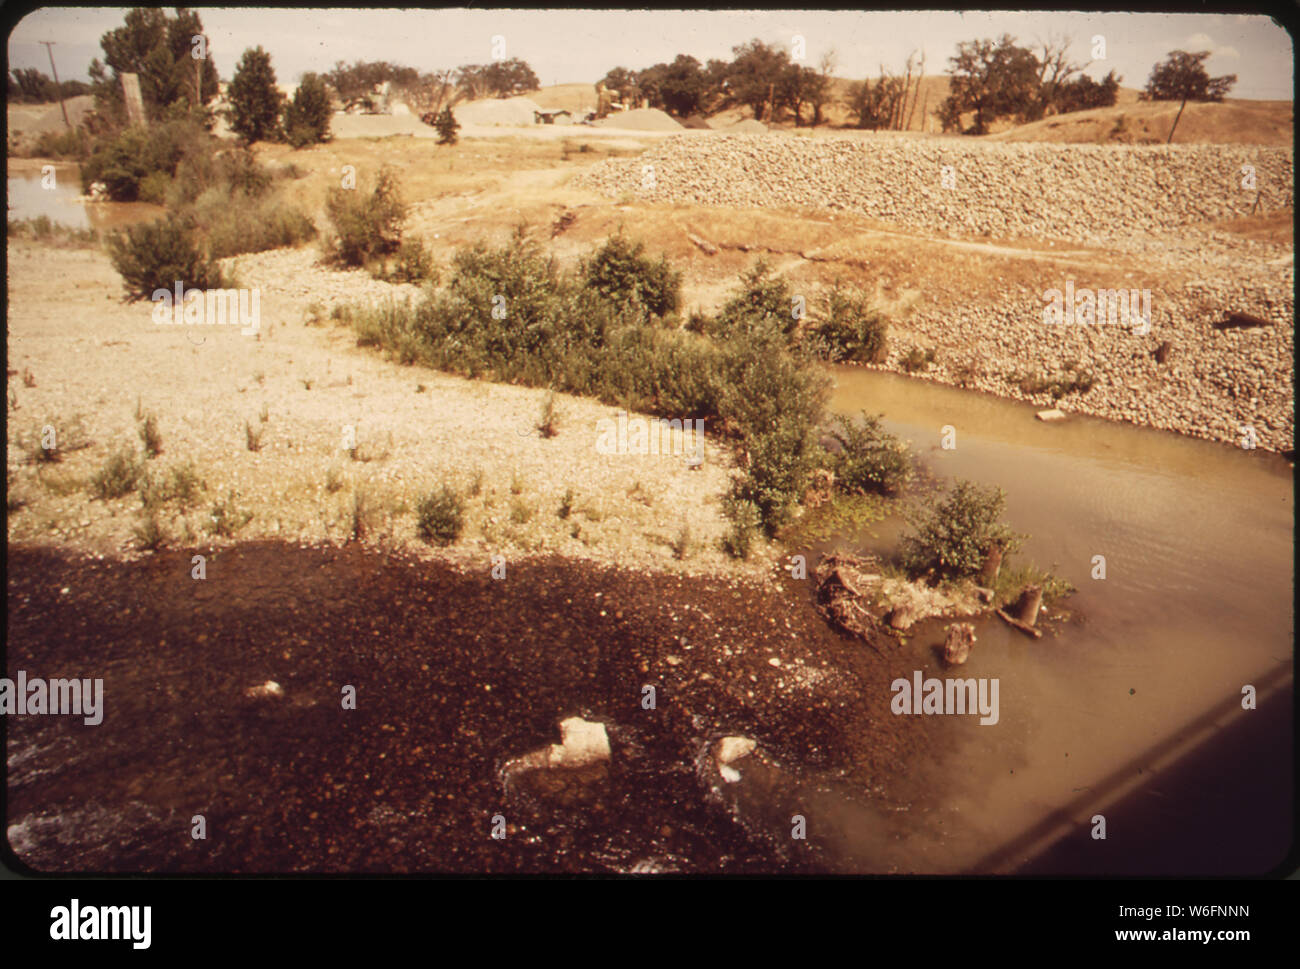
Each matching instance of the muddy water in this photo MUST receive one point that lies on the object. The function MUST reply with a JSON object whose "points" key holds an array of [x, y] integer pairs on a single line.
{"points": [[1196, 603], [28, 198]]}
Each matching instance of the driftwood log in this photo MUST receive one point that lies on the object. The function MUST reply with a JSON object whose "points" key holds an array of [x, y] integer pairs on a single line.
{"points": [[842, 581], [1233, 321], [1016, 623]]}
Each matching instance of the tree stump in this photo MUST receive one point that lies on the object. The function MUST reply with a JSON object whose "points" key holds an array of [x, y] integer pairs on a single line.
{"points": [[1030, 601], [992, 565], [957, 647]]}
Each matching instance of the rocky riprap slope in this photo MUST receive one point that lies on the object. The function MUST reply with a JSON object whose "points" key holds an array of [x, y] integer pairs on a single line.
{"points": [[1146, 203], [1077, 192]]}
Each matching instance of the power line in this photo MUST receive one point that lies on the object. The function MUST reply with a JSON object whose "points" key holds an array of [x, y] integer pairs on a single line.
{"points": [[49, 49]]}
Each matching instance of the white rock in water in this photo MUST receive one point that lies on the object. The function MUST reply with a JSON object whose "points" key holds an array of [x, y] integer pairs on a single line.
{"points": [[1051, 415], [269, 688], [731, 749], [729, 774], [582, 742]]}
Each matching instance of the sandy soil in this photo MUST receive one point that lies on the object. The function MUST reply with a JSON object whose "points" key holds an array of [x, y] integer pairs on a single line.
{"points": [[94, 360]]}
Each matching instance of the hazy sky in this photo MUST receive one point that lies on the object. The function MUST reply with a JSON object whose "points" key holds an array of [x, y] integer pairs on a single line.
{"points": [[566, 46]]}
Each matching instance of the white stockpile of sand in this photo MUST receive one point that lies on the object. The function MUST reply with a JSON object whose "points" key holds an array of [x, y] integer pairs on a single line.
{"points": [[641, 119], [497, 113]]}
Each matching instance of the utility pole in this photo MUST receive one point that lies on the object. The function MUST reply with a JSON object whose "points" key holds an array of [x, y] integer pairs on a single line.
{"points": [[49, 49]]}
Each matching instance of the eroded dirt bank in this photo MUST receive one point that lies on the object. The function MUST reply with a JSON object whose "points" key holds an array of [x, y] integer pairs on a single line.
{"points": [[454, 674]]}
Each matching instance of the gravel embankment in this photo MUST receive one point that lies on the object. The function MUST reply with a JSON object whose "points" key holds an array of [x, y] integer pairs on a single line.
{"points": [[1145, 204], [1078, 192]]}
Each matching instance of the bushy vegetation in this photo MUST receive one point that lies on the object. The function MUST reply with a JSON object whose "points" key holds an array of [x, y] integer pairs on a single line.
{"points": [[951, 539], [871, 460], [29, 85], [851, 328], [124, 161], [1069, 380], [307, 116], [41, 229], [157, 255], [255, 101], [448, 127], [412, 263], [366, 224], [762, 308], [511, 314], [918, 360], [119, 475], [75, 144], [620, 272], [440, 516], [221, 203]]}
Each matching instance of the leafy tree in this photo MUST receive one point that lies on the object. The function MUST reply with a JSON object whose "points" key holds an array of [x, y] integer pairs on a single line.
{"points": [[992, 79], [802, 86], [501, 79], [618, 81], [1083, 93], [160, 50], [876, 105], [755, 71], [1182, 76], [354, 82], [255, 101], [307, 116], [27, 85]]}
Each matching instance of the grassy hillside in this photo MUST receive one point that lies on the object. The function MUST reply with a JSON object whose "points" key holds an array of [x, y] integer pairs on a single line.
{"points": [[1232, 122]]}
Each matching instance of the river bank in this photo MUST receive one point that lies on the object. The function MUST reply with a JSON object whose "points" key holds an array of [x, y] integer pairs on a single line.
{"points": [[453, 674]]}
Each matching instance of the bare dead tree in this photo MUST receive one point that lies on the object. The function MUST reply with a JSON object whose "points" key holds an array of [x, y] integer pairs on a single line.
{"points": [[1054, 69]]}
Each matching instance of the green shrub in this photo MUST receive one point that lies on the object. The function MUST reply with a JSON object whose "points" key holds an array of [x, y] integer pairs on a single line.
{"points": [[75, 144], [1058, 385], [149, 535], [412, 264], [252, 225], [227, 517], [157, 255], [42, 229], [150, 436], [120, 475], [851, 329], [619, 272], [440, 516], [739, 538], [951, 540], [871, 460], [366, 225], [763, 305], [509, 313], [776, 402], [123, 162], [917, 360]]}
